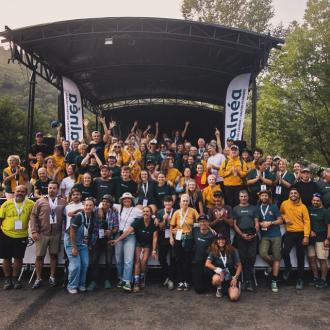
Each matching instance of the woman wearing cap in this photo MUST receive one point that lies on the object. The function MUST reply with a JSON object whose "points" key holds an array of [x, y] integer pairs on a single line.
{"points": [[203, 237], [146, 241], [77, 238], [124, 250], [146, 192], [107, 217], [14, 175], [210, 190], [223, 260], [195, 196], [181, 237]]}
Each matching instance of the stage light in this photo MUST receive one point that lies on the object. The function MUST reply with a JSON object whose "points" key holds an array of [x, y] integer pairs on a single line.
{"points": [[108, 41]]}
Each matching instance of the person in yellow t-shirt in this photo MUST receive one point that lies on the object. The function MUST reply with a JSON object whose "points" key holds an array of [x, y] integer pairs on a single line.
{"points": [[233, 170], [298, 227], [209, 191], [181, 238], [14, 218]]}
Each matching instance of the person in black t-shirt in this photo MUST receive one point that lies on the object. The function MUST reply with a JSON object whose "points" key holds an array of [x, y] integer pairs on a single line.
{"points": [[39, 146], [146, 192], [124, 184], [86, 188], [224, 261], [103, 184], [41, 185], [203, 237], [306, 187]]}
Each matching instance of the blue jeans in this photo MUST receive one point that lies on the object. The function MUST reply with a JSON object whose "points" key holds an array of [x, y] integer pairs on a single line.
{"points": [[77, 265], [124, 253]]}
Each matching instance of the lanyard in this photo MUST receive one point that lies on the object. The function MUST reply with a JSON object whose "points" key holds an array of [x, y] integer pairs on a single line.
{"points": [[19, 210], [14, 170], [281, 178], [145, 188], [223, 259], [170, 214], [87, 221], [264, 213], [183, 217], [263, 174], [127, 216], [52, 204]]}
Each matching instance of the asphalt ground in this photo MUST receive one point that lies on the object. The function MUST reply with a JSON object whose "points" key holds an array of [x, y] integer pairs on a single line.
{"points": [[157, 308]]}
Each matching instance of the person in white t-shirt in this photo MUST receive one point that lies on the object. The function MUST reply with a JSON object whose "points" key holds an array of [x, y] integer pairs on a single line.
{"points": [[68, 182], [124, 250], [214, 162]]}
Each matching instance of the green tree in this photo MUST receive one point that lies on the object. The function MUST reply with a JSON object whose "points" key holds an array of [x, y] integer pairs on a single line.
{"points": [[294, 104], [253, 15]]}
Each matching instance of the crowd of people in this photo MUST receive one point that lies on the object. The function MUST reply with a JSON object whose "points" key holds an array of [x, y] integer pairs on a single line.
{"points": [[202, 210]]}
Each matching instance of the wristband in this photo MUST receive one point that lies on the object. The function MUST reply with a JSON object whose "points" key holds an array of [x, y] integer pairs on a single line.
{"points": [[154, 251], [218, 270]]}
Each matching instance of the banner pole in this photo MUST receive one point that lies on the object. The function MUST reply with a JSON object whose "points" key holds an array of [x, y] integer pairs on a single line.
{"points": [[254, 114]]}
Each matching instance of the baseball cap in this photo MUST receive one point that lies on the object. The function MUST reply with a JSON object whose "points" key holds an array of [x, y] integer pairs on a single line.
{"points": [[153, 141], [203, 218], [221, 236], [108, 198], [39, 134], [234, 146], [305, 169]]}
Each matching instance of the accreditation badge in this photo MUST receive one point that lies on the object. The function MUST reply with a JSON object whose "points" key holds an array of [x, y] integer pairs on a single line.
{"points": [[178, 235], [167, 233], [18, 224], [145, 202], [278, 190]]}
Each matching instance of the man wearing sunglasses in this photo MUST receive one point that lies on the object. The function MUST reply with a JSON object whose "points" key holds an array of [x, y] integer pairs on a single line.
{"points": [[297, 222]]}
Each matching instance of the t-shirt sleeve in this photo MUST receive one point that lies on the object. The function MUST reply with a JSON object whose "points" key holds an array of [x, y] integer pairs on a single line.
{"points": [[277, 212], [210, 257], [76, 221], [256, 213], [326, 215], [135, 223], [290, 178], [174, 219], [235, 217], [250, 175]]}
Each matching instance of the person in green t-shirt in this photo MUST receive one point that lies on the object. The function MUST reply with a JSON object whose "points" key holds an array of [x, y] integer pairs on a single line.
{"points": [[324, 188], [258, 179], [318, 249]]}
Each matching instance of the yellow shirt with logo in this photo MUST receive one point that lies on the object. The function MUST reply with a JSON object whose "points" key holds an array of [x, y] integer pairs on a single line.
{"points": [[8, 216], [208, 195], [172, 174]]}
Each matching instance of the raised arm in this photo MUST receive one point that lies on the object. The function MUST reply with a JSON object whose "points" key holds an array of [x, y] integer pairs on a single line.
{"points": [[87, 132], [186, 125], [218, 139], [157, 130], [58, 134]]}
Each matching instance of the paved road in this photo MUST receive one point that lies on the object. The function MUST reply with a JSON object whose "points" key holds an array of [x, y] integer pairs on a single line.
{"points": [[157, 308]]}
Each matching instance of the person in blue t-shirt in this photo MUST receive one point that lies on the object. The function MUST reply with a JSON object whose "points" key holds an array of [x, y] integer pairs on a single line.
{"points": [[270, 220]]}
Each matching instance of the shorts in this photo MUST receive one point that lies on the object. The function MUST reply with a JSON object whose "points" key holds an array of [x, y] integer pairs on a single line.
{"points": [[318, 250], [52, 243], [144, 245], [270, 242], [12, 247]]}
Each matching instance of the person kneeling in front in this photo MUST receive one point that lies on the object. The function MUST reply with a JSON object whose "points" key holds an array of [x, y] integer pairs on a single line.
{"points": [[224, 261], [76, 241]]}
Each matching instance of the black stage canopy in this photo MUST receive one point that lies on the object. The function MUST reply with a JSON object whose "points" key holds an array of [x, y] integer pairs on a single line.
{"points": [[141, 59], [113, 59]]}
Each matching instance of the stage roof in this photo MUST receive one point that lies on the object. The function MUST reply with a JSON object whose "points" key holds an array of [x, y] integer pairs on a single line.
{"points": [[115, 59]]}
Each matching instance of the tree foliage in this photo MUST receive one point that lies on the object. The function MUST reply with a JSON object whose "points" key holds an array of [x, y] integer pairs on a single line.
{"points": [[294, 104], [252, 15]]}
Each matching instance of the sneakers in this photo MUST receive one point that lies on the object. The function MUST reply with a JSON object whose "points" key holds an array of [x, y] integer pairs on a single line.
{"points": [[17, 285], [180, 286], [107, 284], [248, 286], [120, 284], [136, 287], [274, 286], [166, 282], [8, 284], [170, 285], [286, 274], [186, 286], [52, 282], [218, 293], [314, 281], [321, 284], [142, 282], [127, 286], [92, 286], [82, 288], [299, 284], [37, 284], [72, 291]]}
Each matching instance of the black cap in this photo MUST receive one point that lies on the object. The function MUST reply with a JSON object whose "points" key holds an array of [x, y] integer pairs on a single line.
{"points": [[203, 218], [108, 198], [221, 236], [218, 194]]}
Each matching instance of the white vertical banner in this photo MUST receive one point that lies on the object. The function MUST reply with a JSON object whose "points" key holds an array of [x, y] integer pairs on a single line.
{"points": [[73, 111], [236, 98]]}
